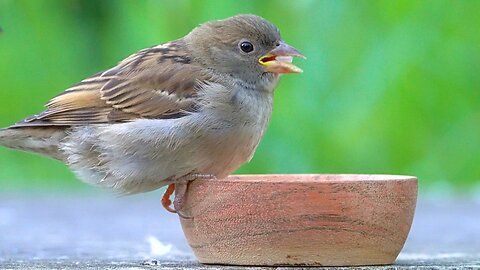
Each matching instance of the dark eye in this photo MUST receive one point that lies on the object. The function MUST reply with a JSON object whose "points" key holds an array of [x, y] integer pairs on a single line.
{"points": [[246, 46]]}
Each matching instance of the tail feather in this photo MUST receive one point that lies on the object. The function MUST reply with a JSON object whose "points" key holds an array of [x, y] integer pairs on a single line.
{"points": [[44, 141]]}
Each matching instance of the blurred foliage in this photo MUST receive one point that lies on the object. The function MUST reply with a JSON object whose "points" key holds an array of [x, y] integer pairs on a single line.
{"points": [[389, 86]]}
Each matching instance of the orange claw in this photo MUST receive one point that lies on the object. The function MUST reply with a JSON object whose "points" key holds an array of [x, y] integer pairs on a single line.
{"points": [[166, 202]]}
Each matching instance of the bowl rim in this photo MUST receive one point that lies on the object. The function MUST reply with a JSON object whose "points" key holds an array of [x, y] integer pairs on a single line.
{"points": [[314, 178]]}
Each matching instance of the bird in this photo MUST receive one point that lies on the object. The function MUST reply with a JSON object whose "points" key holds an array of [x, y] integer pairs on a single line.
{"points": [[196, 107]]}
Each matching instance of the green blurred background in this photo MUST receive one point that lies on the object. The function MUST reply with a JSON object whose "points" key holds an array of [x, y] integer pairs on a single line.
{"points": [[389, 86]]}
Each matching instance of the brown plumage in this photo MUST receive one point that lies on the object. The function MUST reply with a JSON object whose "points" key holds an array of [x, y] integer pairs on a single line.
{"points": [[169, 113], [157, 82]]}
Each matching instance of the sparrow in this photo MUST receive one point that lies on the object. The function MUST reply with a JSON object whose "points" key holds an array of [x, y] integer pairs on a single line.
{"points": [[192, 108]]}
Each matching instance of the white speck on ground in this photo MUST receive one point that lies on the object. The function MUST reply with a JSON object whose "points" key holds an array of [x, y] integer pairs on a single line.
{"points": [[158, 248], [162, 250]]}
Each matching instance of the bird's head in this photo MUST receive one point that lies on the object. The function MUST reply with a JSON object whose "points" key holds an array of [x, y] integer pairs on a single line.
{"points": [[243, 46]]}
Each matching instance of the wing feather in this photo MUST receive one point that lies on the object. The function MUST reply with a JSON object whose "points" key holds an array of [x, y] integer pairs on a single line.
{"points": [[157, 82]]}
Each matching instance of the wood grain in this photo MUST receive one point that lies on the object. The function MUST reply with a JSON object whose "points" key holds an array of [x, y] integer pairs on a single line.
{"points": [[329, 220]]}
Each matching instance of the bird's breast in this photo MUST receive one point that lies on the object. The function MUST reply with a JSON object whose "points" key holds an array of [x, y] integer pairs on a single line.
{"points": [[236, 124]]}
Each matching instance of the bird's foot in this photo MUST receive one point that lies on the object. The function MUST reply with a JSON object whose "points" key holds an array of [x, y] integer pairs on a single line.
{"points": [[180, 190], [180, 194], [181, 187]]}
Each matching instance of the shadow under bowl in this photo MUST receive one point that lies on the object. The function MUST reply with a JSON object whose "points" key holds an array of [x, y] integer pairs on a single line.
{"points": [[299, 219]]}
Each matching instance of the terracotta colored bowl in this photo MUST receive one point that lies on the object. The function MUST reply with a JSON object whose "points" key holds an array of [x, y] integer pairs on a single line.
{"points": [[329, 220]]}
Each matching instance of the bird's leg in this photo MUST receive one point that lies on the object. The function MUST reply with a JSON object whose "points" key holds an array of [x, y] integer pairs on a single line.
{"points": [[181, 188], [166, 202]]}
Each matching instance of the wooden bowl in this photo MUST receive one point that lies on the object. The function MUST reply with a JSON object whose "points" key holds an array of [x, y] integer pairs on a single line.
{"points": [[310, 219]]}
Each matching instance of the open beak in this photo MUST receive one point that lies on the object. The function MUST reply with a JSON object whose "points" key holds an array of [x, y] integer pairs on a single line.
{"points": [[279, 60]]}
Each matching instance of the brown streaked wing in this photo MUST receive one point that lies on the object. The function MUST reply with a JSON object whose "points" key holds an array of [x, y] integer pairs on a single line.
{"points": [[157, 82]]}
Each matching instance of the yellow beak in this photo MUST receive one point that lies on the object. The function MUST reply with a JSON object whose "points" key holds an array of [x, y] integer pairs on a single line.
{"points": [[279, 60]]}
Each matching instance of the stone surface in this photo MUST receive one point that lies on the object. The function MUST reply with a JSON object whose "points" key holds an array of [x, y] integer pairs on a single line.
{"points": [[101, 231]]}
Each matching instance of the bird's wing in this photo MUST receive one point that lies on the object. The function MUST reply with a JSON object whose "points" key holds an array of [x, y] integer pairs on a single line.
{"points": [[157, 82]]}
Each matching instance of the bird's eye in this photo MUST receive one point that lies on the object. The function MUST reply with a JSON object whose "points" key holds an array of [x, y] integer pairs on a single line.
{"points": [[246, 46]]}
